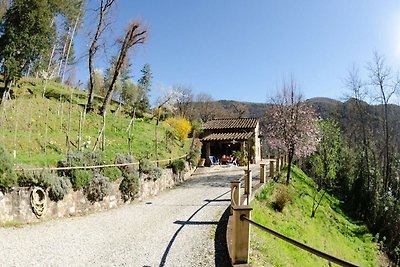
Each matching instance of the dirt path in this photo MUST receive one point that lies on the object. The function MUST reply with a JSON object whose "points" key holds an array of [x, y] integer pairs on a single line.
{"points": [[179, 227]]}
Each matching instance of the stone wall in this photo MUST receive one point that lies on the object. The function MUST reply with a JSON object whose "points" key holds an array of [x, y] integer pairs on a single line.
{"points": [[16, 205]]}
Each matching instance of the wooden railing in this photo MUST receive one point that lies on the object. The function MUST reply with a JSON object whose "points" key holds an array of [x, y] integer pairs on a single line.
{"points": [[241, 220]]}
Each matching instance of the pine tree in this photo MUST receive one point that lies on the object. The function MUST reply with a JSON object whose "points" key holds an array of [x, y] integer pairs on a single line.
{"points": [[144, 85], [26, 34]]}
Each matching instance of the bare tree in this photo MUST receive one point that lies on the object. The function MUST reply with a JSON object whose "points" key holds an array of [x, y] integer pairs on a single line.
{"points": [[184, 102], [240, 110], [206, 108], [291, 124], [167, 101], [359, 121], [135, 34], [104, 8], [382, 80]]}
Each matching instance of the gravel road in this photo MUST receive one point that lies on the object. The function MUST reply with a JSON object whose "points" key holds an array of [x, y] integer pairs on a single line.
{"points": [[179, 227]]}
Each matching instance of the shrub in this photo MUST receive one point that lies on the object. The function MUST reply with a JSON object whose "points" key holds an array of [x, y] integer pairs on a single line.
{"points": [[155, 174], [148, 168], [282, 197], [129, 186], [193, 156], [122, 159], [181, 126], [32, 178], [178, 165], [113, 173], [58, 187], [80, 178], [98, 188], [75, 159], [7, 175]]}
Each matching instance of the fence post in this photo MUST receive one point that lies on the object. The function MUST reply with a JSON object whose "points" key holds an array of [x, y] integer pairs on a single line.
{"points": [[235, 194], [241, 235], [271, 169], [277, 165], [247, 182], [262, 172]]}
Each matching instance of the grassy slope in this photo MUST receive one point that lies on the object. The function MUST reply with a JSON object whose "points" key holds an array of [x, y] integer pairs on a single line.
{"points": [[28, 111], [330, 231]]}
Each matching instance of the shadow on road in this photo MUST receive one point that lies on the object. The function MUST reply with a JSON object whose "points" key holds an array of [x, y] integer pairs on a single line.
{"points": [[220, 246], [188, 222]]}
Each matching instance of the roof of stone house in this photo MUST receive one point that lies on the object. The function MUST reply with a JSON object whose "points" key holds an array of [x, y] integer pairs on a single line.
{"points": [[231, 123], [228, 136]]}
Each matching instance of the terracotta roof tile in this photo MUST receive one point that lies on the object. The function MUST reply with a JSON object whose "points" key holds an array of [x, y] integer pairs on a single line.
{"points": [[228, 136], [231, 123]]}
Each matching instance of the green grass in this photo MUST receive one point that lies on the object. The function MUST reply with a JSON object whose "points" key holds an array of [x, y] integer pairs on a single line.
{"points": [[330, 231], [23, 123]]}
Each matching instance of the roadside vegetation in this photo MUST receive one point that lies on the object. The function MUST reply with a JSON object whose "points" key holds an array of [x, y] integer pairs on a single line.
{"points": [[288, 211], [39, 131]]}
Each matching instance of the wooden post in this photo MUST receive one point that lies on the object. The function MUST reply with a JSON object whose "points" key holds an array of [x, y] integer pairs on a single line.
{"points": [[241, 235], [247, 183], [271, 169], [277, 165], [262, 172], [235, 194]]}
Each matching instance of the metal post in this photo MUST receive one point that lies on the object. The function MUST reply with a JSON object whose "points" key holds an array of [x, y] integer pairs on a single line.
{"points": [[235, 194], [241, 235]]}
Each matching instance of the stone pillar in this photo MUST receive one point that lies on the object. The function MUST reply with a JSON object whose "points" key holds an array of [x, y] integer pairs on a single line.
{"points": [[282, 162], [241, 235], [262, 172], [247, 182], [271, 169], [235, 194]]}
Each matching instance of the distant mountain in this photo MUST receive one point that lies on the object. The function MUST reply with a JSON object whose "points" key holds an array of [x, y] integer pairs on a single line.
{"points": [[256, 110], [344, 112]]}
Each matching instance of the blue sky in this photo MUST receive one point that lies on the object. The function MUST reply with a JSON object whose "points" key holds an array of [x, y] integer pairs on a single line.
{"points": [[242, 50]]}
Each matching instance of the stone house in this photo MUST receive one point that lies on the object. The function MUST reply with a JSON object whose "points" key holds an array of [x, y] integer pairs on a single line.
{"points": [[221, 137]]}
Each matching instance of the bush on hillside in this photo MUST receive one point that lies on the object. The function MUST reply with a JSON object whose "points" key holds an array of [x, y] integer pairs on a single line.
{"points": [[193, 156], [113, 173], [129, 186], [182, 127], [98, 188], [7, 175], [122, 159], [58, 187], [282, 197], [28, 178], [178, 166], [149, 169], [80, 178]]}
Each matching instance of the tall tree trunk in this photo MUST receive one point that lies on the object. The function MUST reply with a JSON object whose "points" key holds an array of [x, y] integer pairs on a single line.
{"points": [[290, 159], [71, 39], [105, 5], [134, 35]]}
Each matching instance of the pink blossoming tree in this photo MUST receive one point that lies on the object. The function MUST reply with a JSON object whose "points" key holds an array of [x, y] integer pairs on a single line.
{"points": [[291, 125]]}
